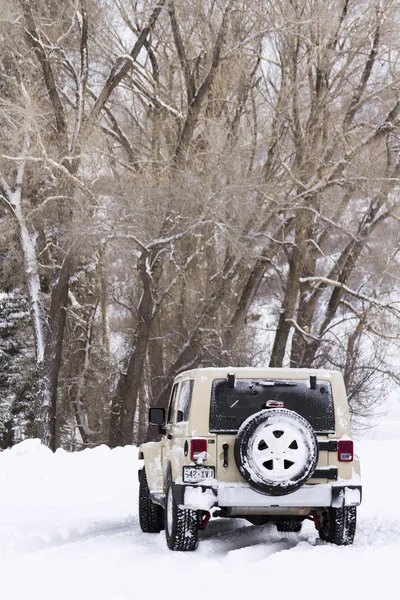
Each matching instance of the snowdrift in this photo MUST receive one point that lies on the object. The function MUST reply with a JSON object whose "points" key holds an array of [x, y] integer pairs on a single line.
{"points": [[69, 529]]}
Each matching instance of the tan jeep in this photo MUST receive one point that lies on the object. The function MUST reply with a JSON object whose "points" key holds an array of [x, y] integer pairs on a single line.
{"points": [[267, 445]]}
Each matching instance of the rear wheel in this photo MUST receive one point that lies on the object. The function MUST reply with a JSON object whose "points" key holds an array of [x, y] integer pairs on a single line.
{"points": [[181, 525], [338, 525], [151, 516], [289, 526]]}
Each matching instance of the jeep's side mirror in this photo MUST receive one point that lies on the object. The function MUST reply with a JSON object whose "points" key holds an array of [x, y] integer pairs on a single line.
{"points": [[157, 416], [180, 416]]}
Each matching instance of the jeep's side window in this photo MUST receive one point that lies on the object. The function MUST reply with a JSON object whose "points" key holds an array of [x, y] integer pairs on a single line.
{"points": [[185, 400], [172, 403]]}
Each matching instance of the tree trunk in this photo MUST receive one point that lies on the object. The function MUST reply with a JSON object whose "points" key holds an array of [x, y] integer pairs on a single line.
{"points": [[124, 402], [288, 306], [52, 355]]}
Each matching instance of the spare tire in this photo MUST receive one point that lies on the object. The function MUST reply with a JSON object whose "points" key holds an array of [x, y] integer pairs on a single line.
{"points": [[276, 451]]}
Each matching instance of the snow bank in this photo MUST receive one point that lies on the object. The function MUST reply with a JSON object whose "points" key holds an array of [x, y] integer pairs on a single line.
{"points": [[69, 529], [387, 426], [51, 498]]}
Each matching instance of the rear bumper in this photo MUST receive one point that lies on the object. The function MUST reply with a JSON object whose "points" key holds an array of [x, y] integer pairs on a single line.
{"points": [[201, 497]]}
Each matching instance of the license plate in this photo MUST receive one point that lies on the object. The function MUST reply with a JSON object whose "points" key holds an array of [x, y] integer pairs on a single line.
{"points": [[196, 474]]}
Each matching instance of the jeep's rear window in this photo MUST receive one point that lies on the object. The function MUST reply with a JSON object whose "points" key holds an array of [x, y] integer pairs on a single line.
{"points": [[230, 406]]}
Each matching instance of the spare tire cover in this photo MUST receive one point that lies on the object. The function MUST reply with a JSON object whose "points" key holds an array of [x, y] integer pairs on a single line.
{"points": [[276, 451]]}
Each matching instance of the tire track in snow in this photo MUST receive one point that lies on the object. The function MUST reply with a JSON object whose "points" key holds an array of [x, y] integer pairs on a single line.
{"points": [[16, 542], [228, 538], [246, 541]]}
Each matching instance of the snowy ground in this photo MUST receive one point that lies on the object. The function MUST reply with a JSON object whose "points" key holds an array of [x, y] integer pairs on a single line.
{"points": [[69, 530]]}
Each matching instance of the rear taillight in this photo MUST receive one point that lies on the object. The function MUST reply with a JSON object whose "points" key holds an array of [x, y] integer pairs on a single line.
{"points": [[345, 450], [197, 446]]}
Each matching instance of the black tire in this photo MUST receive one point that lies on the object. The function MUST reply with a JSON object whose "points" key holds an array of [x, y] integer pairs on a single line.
{"points": [[338, 525], [181, 525], [151, 516], [297, 451], [285, 526]]}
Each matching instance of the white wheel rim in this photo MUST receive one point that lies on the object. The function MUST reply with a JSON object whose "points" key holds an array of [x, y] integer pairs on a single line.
{"points": [[279, 450], [169, 510]]}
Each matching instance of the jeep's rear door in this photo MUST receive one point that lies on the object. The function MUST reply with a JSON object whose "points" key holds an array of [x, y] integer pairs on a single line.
{"points": [[231, 405]]}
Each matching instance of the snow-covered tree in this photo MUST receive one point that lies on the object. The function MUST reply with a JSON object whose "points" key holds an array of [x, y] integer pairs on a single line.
{"points": [[197, 183]]}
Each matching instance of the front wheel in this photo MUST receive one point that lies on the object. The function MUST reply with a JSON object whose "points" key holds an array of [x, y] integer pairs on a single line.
{"points": [[338, 525], [151, 516], [181, 525]]}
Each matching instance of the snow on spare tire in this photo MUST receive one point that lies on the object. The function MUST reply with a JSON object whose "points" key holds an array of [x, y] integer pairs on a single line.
{"points": [[276, 451]]}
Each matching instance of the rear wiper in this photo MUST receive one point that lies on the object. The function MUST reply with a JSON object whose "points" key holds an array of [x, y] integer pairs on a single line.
{"points": [[272, 384]]}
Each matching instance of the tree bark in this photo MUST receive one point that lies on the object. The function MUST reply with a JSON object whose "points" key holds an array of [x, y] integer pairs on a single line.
{"points": [[124, 402], [53, 353]]}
